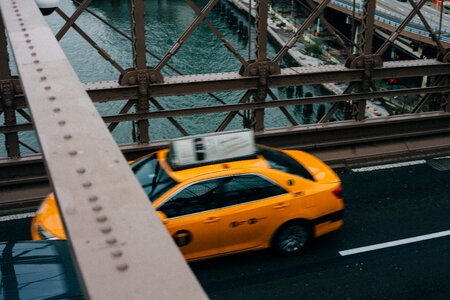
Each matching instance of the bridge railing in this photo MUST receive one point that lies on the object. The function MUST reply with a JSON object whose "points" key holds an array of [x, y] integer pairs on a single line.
{"points": [[393, 19]]}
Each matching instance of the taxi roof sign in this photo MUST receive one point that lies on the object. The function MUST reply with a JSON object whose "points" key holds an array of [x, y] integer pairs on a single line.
{"points": [[211, 148]]}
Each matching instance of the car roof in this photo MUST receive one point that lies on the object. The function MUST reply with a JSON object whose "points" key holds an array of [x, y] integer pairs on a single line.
{"points": [[211, 170]]}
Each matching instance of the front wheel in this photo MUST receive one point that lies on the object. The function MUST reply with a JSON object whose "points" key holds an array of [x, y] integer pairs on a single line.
{"points": [[291, 239]]}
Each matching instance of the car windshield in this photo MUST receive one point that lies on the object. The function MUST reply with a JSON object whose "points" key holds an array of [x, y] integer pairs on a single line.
{"points": [[280, 161], [152, 177]]}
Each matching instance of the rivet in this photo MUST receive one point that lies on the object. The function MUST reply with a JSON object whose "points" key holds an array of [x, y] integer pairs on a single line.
{"points": [[20, 19], [36, 61], [62, 123], [16, 10], [122, 267], [87, 184], [93, 198], [43, 78], [24, 29], [31, 47], [48, 88], [22, 24], [73, 153], [97, 208], [33, 54], [26, 35], [106, 229], [116, 253], [67, 137], [18, 15], [28, 41], [81, 171], [39, 69], [111, 240], [102, 219], [56, 109], [52, 98]]}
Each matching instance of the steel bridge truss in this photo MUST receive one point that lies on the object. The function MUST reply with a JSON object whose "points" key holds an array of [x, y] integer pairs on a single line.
{"points": [[72, 134], [143, 84]]}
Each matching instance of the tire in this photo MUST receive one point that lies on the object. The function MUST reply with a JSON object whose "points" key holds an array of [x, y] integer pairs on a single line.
{"points": [[291, 239]]}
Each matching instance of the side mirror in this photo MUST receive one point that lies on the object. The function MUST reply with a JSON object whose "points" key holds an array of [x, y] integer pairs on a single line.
{"points": [[47, 6], [163, 217]]}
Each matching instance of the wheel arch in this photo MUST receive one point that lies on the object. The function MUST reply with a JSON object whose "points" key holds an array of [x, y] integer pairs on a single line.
{"points": [[301, 221]]}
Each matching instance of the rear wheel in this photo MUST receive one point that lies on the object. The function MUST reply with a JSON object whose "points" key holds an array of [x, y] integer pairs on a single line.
{"points": [[291, 239]]}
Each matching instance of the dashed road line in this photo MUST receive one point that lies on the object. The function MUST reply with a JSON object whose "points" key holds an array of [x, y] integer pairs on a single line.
{"points": [[395, 243], [390, 166], [17, 217]]}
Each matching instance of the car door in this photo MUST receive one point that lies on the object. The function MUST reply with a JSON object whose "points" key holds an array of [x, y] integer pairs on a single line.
{"points": [[192, 221], [250, 206]]}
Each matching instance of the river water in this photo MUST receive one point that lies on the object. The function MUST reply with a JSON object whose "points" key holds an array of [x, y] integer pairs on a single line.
{"points": [[166, 20]]}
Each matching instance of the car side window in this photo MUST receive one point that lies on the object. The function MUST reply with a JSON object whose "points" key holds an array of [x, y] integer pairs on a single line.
{"points": [[192, 199], [246, 188]]}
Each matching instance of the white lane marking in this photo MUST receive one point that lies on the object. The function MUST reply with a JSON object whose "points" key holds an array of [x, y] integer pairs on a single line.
{"points": [[390, 166], [443, 157], [395, 243], [17, 217]]}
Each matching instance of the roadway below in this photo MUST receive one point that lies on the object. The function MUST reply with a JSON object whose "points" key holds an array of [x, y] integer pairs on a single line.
{"points": [[391, 203]]}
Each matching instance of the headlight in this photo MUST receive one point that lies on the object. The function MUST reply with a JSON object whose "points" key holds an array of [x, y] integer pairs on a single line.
{"points": [[45, 235]]}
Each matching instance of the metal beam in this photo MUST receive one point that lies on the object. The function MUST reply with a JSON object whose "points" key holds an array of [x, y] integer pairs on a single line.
{"points": [[200, 84], [97, 193]]}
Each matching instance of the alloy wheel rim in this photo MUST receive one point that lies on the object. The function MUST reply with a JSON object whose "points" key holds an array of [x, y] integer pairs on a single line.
{"points": [[293, 239]]}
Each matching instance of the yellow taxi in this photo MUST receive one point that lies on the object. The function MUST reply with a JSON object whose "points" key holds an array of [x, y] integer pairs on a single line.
{"points": [[222, 194]]}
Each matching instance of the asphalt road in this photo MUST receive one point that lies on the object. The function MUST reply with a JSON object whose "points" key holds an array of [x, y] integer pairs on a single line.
{"points": [[382, 206], [385, 205]]}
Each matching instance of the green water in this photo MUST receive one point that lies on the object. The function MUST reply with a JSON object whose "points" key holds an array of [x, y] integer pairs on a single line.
{"points": [[166, 20]]}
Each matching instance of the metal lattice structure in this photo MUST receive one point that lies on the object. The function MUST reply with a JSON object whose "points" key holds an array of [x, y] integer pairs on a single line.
{"points": [[356, 139]]}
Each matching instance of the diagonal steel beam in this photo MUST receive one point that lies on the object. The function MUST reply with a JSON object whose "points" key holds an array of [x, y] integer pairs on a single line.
{"points": [[91, 178], [232, 114], [171, 120], [217, 33], [394, 35], [283, 109], [311, 18], [336, 33], [91, 42], [428, 27], [198, 20], [126, 108], [71, 21]]}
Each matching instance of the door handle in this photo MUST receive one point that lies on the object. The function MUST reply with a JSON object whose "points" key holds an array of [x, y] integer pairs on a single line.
{"points": [[211, 220], [280, 205]]}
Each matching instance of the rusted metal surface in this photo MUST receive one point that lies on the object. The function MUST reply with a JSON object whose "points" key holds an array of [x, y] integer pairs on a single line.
{"points": [[7, 94], [255, 79], [440, 89], [400, 28], [346, 145], [214, 82], [116, 258]]}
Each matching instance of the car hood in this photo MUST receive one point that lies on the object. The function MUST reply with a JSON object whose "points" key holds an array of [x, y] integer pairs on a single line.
{"points": [[321, 172]]}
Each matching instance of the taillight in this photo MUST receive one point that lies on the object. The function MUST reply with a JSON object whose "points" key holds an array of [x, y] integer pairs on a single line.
{"points": [[338, 192]]}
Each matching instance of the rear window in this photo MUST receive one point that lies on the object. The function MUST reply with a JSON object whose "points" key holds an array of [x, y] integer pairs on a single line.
{"points": [[152, 177], [280, 161]]}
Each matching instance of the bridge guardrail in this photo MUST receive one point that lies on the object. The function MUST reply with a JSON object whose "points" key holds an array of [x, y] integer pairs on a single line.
{"points": [[394, 20]]}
